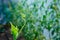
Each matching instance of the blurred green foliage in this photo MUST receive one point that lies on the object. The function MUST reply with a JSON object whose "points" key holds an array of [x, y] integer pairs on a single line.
{"points": [[33, 16]]}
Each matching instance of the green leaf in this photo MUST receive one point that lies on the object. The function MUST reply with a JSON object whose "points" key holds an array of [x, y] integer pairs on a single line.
{"points": [[14, 31]]}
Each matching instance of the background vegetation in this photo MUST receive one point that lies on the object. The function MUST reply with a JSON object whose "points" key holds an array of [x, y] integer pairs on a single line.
{"points": [[33, 19]]}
